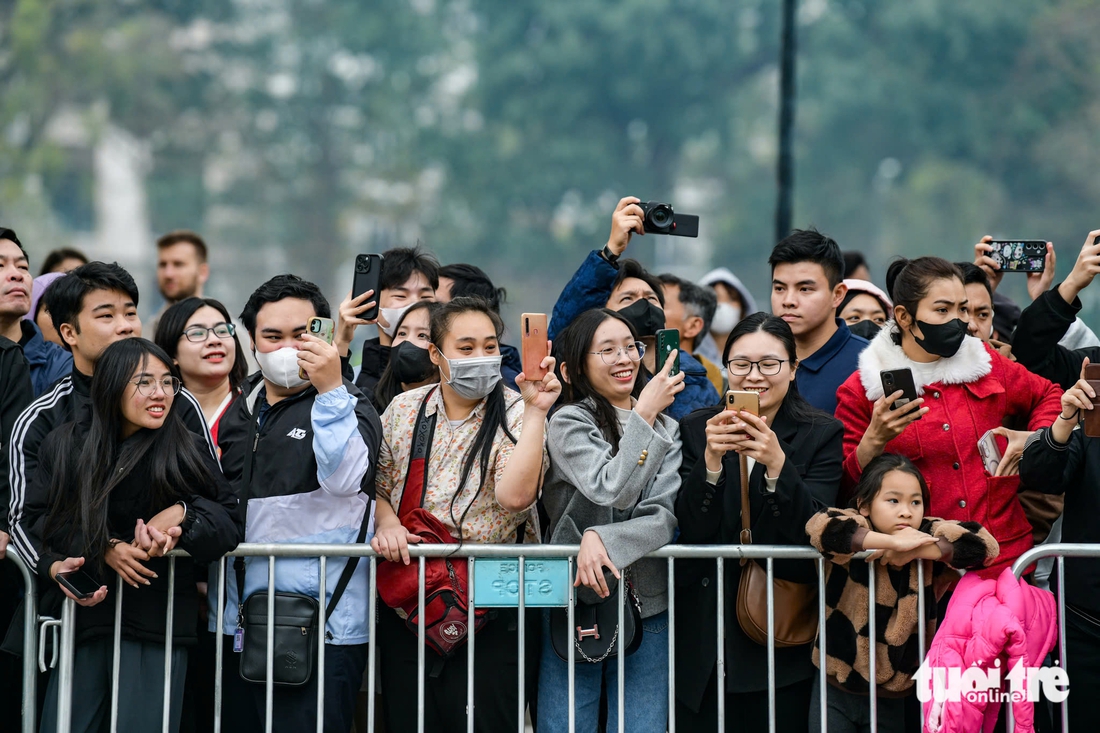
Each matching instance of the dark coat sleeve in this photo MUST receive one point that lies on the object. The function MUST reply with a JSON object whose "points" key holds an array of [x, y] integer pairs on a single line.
{"points": [[699, 505], [16, 393], [1035, 342], [589, 288], [214, 524], [29, 497], [1052, 467], [36, 509], [808, 483]]}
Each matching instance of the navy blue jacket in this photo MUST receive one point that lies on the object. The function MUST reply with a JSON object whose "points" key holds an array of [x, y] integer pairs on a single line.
{"points": [[48, 361], [820, 374], [590, 287]]}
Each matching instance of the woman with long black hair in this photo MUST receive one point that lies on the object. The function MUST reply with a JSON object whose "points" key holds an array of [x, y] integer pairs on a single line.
{"points": [[793, 454], [128, 482], [483, 462]]}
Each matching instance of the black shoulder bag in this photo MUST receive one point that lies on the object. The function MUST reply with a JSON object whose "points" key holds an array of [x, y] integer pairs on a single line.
{"points": [[295, 633]]}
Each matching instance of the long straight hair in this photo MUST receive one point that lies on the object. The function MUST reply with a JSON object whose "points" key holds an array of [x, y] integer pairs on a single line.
{"points": [[496, 409], [794, 406], [98, 461], [572, 349]]}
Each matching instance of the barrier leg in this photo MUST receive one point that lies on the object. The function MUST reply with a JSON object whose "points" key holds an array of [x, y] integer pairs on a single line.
{"points": [[823, 710], [269, 699], [117, 656], [420, 648], [166, 713], [321, 646], [520, 640], [470, 636], [671, 645], [65, 667], [219, 651], [372, 656]]}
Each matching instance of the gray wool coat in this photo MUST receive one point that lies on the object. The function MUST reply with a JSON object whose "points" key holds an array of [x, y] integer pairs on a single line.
{"points": [[627, 498]]}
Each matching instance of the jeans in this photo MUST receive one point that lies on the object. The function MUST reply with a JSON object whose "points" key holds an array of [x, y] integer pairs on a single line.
{"points": [[645, 695]]}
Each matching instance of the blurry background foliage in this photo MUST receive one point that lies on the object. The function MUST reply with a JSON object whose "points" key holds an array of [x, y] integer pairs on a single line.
{"points": [[295, 133]]}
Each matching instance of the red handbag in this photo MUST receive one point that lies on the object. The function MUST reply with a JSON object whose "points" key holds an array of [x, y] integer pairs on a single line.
{"points": [[446, 583]]}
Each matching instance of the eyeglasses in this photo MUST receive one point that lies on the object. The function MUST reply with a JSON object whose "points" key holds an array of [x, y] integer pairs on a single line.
{"points": [[147, 386], [610, 355], [767, 367], [199, 334]]}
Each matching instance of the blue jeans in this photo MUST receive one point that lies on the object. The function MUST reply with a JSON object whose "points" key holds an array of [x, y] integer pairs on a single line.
{"points": [[645, 695]]}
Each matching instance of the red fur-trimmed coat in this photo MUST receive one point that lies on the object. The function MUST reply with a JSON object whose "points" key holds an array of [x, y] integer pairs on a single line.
{"points": [[967, 394], [839, 533]]}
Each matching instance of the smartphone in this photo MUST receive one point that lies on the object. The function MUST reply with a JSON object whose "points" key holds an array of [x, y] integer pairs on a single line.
{"points": [[668, 340], [747, 401], [1092, 417], [990, 452], [1019, 255], [368, 274], [533, 340], [895, 379], [79, 583], [322, 328]]}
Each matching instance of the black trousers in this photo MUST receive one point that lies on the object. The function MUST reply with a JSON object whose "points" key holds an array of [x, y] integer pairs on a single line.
{"points": [[748, 711], [496, 675], [1083, 666], [294, 709]]}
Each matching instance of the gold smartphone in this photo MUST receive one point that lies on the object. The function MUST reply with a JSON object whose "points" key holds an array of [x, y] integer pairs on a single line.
{"points": [[747, 401], [322, 328]]}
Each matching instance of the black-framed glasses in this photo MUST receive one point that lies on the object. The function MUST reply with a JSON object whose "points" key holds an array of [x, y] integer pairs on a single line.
{"points": [[147, 386], [767, 367], [198, 334], [610, 355]]}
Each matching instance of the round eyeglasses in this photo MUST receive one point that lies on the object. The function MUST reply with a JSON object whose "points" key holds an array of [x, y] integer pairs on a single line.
{"points": [[610, 355], [199, 334], [767, 367], [147, 386]]}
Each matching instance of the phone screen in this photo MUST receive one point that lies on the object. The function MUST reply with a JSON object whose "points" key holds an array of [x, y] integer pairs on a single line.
{"points": [[79, 581]]}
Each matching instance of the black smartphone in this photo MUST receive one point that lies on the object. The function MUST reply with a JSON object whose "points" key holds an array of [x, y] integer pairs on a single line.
{"points": [[895, 379], [368, 274], [668, 340], [79, 583], [1019, 255]]}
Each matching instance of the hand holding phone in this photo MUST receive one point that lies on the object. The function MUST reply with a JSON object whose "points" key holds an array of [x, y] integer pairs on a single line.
{"points": [[77, 583], [368, 275], [899, 379], [322, 328], [990, 452], [667, 341], [1091, 375]]}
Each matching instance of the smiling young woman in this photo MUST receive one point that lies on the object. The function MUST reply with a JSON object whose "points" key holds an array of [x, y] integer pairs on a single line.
{"points": [[793, 453]]}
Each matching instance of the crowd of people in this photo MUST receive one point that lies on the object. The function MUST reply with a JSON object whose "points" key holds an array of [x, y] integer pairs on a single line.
{"points": [[202, 429]]}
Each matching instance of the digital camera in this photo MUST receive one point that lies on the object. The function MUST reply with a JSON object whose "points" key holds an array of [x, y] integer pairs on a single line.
{"points": [[661, 219]]}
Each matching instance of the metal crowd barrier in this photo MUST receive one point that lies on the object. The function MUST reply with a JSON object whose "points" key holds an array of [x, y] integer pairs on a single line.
{"points": [[30, 641], [473, 553]]}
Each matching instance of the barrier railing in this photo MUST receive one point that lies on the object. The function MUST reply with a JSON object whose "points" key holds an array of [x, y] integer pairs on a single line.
{"points": [[30, 640], [521, 554]]}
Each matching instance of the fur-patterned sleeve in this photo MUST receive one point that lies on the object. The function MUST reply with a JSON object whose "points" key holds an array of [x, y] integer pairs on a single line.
{"points": [[837, 533], [965, 545]]}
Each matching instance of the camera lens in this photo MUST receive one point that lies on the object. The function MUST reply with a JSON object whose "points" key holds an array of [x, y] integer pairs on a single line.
{"points": [[660, 216], [362, 264]]}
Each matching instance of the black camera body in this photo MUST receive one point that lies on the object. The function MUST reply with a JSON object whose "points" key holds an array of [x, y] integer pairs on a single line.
{"points": [[661, 219]]}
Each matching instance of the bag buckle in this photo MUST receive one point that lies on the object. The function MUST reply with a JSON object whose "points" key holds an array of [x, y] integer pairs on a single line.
{"points": [[594, 632]]}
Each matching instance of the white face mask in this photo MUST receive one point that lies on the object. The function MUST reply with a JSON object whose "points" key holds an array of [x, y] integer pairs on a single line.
{"points": [[392, 316], [473, 378], [726, 316], [281, 367]]}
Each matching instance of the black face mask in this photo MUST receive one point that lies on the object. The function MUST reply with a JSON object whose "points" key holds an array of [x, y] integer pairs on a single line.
{"points": [[646, 318], [411, 363], [942, 339], [868, 329]]}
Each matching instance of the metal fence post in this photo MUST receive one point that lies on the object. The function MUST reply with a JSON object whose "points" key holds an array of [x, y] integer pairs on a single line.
{"points": [[520, 638], [322, 623], [873, 662], [372, 613], [166, 712], [269, 682], [823, 656], [470, 635], [219, 651], [65, 666], [672, 645]]}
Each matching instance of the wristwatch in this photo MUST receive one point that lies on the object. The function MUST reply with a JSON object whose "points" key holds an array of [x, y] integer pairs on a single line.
{"points": [[609, 257]]}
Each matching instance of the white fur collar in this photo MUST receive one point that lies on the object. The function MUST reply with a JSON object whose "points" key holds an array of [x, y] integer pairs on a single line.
{"points": [[972, 362]]}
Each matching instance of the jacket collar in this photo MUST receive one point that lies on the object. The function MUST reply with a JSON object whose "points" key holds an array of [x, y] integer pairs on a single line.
{"points": [[254, 388], [82, 383], [815, 361], [971, 363]]}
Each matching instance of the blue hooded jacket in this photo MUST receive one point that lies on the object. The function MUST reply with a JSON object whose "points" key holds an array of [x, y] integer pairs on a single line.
{"points": [[49, 362], [589, 288]]}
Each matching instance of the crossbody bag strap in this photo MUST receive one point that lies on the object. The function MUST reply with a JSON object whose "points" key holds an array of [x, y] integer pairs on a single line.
{"points": [[416, 476], [349, 569], [746, 514]]}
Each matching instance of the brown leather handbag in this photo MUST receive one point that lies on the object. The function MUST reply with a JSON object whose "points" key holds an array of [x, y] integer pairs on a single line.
{"points": [[795, 603]]}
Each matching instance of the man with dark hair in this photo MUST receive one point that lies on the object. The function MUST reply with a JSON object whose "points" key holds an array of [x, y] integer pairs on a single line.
{"points": [[807, 288], [606, 281], [308, 448], [979, 296], [690, 308], [461, 280], [92, 307], [409, 275], [64, 259], [47, 362], [855, 266], [182, 269]]}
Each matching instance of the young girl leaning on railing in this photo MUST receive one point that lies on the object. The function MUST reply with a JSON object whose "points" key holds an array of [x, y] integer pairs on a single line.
{"points": [[887, 515]]}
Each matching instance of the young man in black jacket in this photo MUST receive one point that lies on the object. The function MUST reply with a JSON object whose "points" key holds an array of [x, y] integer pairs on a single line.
{"points": [[1043, 323], [92, 307], [308, 448]]}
